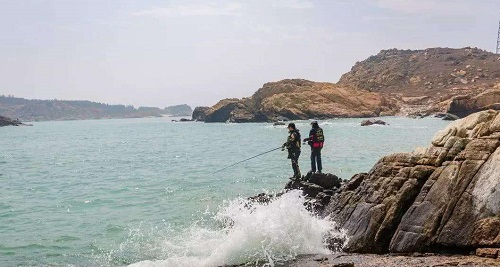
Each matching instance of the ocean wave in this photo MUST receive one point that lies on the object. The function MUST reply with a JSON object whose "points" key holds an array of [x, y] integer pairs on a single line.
{"points": [[262, 233]]}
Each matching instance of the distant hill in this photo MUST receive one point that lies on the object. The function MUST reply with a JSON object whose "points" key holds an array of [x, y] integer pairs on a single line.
{"points": [[43, 110], [178, 110], [427, 81], [393, 82]]}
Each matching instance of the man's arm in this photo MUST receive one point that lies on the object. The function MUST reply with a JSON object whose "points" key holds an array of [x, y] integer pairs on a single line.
{"points": [[311, 136]]}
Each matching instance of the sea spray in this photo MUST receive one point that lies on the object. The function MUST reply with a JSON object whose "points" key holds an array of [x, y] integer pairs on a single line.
{"points": [[260, 233]]}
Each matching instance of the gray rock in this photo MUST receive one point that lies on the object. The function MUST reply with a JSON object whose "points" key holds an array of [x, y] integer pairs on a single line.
{"points": [[373, 122], [444, 196]]}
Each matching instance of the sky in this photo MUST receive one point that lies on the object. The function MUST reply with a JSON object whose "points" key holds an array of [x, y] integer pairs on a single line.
{"points": [[162, 53]]}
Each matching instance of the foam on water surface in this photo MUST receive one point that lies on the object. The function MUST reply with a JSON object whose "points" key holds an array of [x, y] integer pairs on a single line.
{"points": [[263, 233]]}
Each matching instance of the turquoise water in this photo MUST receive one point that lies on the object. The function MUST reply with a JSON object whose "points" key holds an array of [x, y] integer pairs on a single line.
{"points": [[143, 191]]}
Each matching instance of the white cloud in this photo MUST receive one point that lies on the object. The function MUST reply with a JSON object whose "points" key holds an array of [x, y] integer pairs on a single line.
{"points": [[230, 9]]}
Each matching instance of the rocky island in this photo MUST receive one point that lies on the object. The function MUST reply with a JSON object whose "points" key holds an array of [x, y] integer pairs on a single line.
{"points": [[178, 110], [393, 82], [4, 121]]}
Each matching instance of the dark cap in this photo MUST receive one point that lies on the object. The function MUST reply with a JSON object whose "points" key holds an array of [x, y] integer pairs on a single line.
{"points": [[291, 125], [315, 124]]}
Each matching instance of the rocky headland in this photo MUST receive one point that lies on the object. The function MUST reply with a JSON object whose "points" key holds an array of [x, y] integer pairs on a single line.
{"points": [[298, 99], [393, 82], [436, 206]]}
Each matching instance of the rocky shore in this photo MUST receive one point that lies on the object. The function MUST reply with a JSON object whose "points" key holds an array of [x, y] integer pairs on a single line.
{"points": [[4, 121], [445, 197], [435, 206], [373, 260]]}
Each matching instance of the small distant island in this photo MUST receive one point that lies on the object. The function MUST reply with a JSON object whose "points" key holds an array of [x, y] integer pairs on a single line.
{"points": [[46, 110], [179, 110], [4, 121]]}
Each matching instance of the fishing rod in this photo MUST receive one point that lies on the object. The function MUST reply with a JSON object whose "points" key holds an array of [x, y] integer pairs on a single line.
{"points": [[247, 159]]}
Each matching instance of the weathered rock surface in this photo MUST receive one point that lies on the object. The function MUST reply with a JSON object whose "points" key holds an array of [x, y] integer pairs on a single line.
{"points": [[488, 252], [299, 99], [443, 197]]}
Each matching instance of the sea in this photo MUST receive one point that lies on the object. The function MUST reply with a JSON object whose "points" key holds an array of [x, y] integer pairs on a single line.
{"points": [[146, 192]]}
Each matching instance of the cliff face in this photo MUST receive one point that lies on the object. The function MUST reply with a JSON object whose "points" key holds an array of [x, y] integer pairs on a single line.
{"points": [[445, 196], [300, 99]]}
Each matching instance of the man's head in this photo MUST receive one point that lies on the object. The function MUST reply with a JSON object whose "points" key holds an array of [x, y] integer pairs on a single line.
{"points": [[291, 126], [314, 124]]}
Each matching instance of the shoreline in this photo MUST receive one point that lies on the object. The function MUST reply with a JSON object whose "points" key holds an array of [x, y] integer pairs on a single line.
{"points": [[389, 260]]}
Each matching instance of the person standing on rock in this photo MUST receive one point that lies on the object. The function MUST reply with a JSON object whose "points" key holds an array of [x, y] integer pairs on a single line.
{"points": [[292, 144], [316, 140]]}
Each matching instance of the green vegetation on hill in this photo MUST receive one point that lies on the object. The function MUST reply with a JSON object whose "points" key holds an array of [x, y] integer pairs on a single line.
{"points": [[43, 110]]}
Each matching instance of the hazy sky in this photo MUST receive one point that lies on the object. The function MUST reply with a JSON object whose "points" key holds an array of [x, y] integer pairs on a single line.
{"points": [[159, 53]]}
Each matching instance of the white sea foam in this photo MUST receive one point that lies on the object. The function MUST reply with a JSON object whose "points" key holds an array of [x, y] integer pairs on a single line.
{"points": [[250, 232]]}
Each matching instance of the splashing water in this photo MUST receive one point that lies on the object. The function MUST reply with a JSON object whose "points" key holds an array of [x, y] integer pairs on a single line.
{"points": [[262, 233]]}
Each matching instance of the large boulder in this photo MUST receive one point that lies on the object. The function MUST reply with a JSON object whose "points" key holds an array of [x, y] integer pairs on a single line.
{"points": [[444, 196], [318, 188]]}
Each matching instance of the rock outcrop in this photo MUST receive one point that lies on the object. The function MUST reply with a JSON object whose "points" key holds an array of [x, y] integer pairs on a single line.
{"points": [[317, 187], [299, 99], [200, 113], [4, 121], [373, 122], [465, 105], [442, 197]]}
